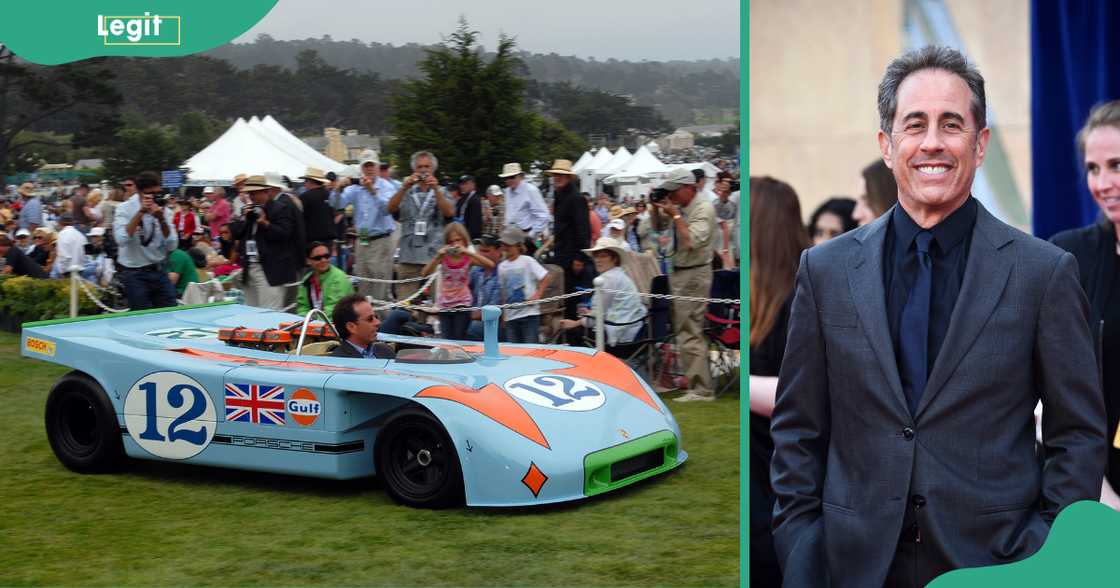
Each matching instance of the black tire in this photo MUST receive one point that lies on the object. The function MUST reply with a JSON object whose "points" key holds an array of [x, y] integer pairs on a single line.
{"points": [[410, 439], [82, 426]]}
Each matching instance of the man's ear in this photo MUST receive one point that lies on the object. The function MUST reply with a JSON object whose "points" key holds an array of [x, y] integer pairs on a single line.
{"points": [[885, 148], [982, 145]]}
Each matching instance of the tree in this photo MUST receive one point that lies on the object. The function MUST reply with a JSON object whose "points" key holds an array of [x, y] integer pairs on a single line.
{"points": [[468, 111], [196, 130], [32, 95], [137, 149]]}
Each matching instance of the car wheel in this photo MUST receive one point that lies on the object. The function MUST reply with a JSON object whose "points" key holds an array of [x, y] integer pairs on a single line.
{"points": [[417, 462], [82, 426]]}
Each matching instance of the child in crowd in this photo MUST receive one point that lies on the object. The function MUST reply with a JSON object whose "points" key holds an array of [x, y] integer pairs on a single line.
{"points": [[522, 278], [455, 260]]}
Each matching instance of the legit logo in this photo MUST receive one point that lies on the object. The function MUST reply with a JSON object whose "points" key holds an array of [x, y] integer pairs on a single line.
{"points": [[140, 30], [304, 407]]}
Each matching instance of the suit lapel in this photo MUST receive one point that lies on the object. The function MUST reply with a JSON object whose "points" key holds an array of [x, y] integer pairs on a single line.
{"points": [[985, 277], [865, 279]]}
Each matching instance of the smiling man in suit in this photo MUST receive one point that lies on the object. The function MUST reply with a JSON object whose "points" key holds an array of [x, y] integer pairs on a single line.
{"points": [[919, 344]]}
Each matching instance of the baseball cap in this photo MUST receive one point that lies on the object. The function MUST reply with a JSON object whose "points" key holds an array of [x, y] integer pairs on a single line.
{"points": [[494, 190], [681, 176], [23, 233], [208, 190], [97, 232], [466, 178], [486, 239], [617, 224], [512, 235]]}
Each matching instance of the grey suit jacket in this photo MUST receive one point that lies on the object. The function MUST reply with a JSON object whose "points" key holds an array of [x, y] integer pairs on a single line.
{"points": [[848, 454]]}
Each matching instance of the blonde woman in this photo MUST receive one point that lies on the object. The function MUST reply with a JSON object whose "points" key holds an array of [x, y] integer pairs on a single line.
{"points": [[93, 208]]}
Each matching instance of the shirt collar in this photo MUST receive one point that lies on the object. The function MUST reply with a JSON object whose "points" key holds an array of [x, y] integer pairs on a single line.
{"points": [[948, 233], [365, 351]]}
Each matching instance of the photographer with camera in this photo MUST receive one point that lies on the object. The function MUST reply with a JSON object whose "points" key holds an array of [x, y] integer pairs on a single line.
{"points": [[373, 249], [692, 220], [422, 209], [142, 230], [265, 243]]}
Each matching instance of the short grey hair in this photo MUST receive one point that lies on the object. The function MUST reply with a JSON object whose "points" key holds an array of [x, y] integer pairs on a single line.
{"points": [[1105, 114], [415, 156], [930, 57]]}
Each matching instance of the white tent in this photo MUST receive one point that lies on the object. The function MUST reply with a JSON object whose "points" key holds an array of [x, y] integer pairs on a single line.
{"points": [[642, 166], [582, 161], [587, 172], [241, 150], [271, 127], [710, 170], [653, 147], [617, 161]]}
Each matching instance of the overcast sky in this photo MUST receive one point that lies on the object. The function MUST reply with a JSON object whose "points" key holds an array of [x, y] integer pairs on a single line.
{"points": [[656, 30]]}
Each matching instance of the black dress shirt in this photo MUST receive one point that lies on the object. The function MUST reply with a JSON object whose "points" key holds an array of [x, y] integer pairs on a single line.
{"points": [[952, 238]]}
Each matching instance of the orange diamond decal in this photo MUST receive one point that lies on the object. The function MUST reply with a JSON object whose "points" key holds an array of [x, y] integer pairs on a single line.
{"points": [[534, 479]]}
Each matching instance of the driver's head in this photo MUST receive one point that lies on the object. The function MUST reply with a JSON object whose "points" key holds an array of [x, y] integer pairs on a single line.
{"points": [[355, 320]]}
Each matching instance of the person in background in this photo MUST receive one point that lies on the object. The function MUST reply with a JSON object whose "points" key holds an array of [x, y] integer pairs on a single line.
{"points": [[879, 194], [525, 207], [31, 212], [832, 219], [220, 211], [70, 254], [40, 250], [455, 261], [622, 311], [370, 196], [385, 173], [422, 209], [79, 209], [93, 208], [468, 208], [16, 262], [186, 221], [325, 285], [265, 239], [776, 245], [1097, 249], [522, 279], [602, 209], [181, 270], [357, 324], [692, 219], [484, 284], [318, 216], [493, 212]]}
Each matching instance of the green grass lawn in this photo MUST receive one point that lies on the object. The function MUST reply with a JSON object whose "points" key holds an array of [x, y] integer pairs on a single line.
{"points": [[180, 525]]}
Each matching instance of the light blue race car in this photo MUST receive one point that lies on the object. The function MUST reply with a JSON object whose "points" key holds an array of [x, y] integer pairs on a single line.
{"points": [[226, 385]]}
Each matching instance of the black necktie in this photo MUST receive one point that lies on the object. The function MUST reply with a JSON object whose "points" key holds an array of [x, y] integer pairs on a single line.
{"points": [[914, 329]]}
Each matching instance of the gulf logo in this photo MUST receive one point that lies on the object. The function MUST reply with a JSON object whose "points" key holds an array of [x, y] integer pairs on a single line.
{"points": [[304, 407]]}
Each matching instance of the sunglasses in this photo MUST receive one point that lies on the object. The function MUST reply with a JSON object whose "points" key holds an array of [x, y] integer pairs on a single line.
{"points": [[368, 319], [319, 257]]}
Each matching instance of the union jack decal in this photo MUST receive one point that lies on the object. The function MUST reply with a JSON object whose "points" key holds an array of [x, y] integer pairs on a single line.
{"points": [[253, 403]]}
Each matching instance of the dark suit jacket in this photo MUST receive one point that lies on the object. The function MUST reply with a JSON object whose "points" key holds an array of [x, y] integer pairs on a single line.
{"points": [[1093, 247], [318, 216], [848, 454], [469, 207], [572, 225], [380, 351], [274, 243]]}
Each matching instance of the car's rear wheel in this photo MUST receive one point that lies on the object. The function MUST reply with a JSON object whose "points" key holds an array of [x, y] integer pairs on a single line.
{"points": [[82, 427], [417, 462]]}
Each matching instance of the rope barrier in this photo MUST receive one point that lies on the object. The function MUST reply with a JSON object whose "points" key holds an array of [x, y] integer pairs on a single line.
{"points": [[85, 288], [683, 298]]}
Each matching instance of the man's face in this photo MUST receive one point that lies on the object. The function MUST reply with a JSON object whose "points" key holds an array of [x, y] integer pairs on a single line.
{"points": [[320, 259], [934, 147], [369, 170], [364, 330], [259, 197], [466, 187], [683, 196], [82, 191], [561, 180], [513, 181], [423, 166], [384, 171], [23, 240], [603, 202], [224, 234]]}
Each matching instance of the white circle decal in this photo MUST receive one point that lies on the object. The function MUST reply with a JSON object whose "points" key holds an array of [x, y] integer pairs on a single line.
{"points": [[170, 415], [555, 391]]}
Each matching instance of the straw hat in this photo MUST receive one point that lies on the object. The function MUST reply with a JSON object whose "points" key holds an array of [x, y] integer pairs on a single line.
{"points": [[608, 244], [560, 167], [315, 174], [618, 211], [254, 184], [510, 169], [240, 179]]}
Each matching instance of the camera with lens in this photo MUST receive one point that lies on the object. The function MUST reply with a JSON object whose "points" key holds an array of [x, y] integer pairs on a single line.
{"points": [[159, 199], [355, 181], [658, 195]]}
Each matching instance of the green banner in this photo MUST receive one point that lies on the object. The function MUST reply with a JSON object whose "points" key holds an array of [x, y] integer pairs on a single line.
{"points": [[50, 33]]}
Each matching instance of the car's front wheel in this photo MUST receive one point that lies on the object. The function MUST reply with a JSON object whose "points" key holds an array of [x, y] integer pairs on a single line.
{"points": [[82, 427], [417, 462]]}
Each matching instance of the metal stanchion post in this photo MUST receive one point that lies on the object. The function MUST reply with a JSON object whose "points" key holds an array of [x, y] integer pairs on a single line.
{"points": [[600, 314], [73, 294]]}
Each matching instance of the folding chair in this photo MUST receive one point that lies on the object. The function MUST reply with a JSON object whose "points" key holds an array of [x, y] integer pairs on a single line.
{"points": [[721, 327]]}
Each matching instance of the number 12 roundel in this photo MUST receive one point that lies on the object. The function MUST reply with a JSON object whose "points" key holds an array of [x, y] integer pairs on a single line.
{"points": [[170, 415]]}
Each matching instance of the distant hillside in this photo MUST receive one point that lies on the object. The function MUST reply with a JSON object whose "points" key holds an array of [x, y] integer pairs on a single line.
{"points": [[685, 92]]}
